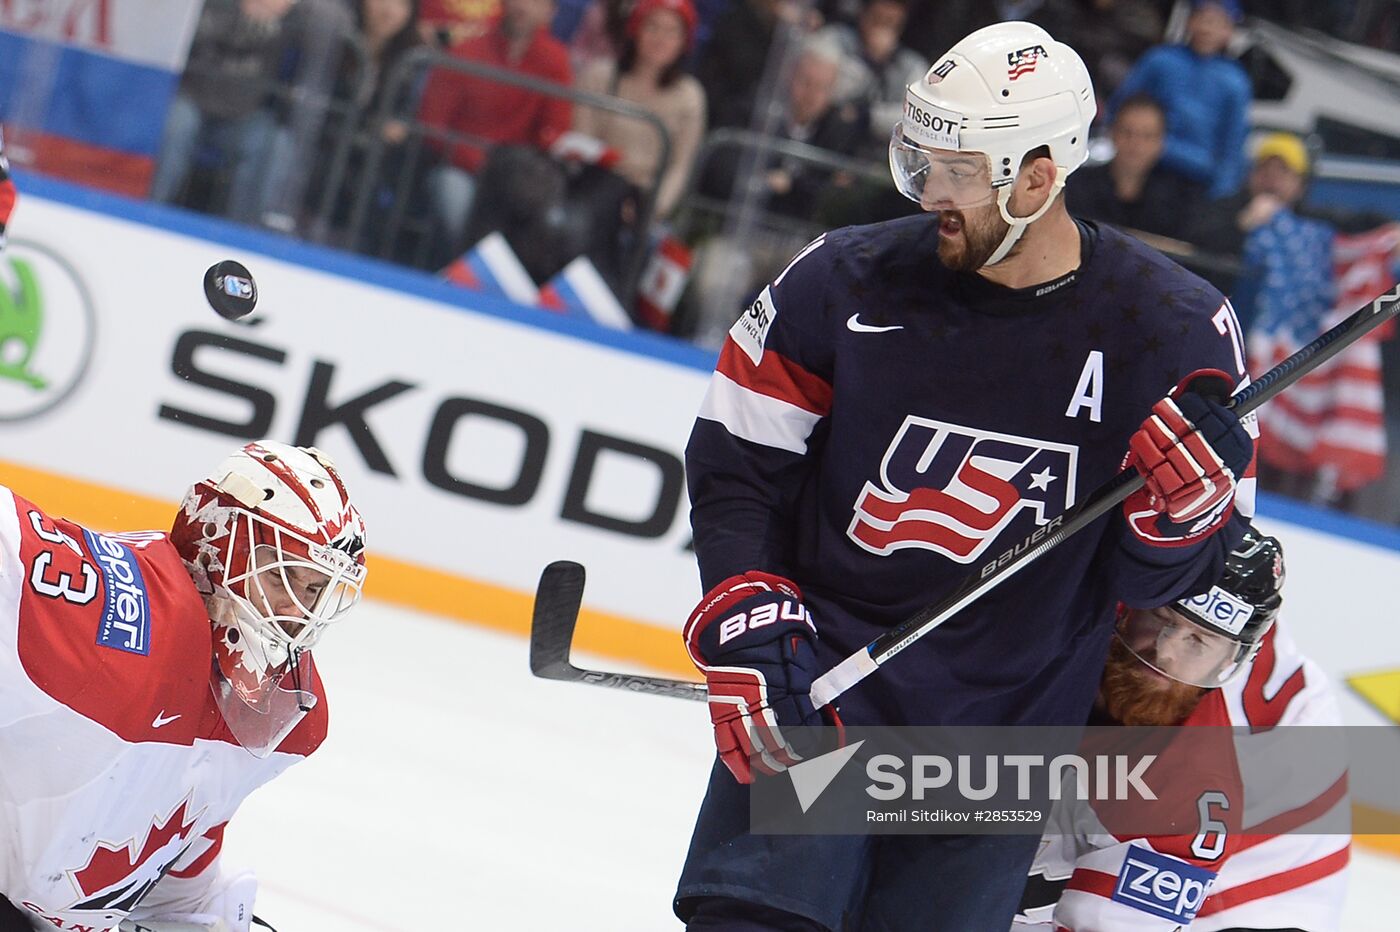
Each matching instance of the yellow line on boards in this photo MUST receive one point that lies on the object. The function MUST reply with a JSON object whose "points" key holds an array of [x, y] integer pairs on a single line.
{"points": [[421, 588]]}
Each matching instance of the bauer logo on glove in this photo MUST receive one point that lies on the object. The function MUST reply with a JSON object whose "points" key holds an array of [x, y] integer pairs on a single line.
{"points": [[753, 639], [1191, 451]]}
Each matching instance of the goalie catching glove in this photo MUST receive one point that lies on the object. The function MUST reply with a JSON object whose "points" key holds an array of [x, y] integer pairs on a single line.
{"points": [[753, 639], [1191, 452]]}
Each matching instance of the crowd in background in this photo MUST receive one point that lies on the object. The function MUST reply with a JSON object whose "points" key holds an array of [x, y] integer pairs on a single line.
{"points": [[727, 133]]}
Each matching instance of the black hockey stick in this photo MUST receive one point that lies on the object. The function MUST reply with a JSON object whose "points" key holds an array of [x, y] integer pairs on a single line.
{"points": [[552, 634], [557, 601]]}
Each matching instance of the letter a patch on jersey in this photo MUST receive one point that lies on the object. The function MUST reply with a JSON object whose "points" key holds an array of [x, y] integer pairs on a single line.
{"points": [[954, 489]]}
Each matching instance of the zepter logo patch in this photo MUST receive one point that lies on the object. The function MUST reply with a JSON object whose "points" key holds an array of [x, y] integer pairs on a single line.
{"points": [[47, 330]]}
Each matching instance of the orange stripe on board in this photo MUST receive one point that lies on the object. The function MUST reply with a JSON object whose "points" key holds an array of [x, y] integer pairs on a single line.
{"points": [[421, 588]]}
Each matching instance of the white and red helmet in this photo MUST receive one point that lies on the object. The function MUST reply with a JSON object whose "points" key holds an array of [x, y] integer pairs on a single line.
{"points": [[277, 549]]}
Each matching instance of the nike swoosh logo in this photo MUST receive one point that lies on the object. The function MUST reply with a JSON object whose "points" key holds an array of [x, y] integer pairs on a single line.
{"points": [[855, 326], [161, 719]]}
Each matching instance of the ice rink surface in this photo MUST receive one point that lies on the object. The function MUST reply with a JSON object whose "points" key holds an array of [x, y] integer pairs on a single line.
{"points": [[457, 792]]}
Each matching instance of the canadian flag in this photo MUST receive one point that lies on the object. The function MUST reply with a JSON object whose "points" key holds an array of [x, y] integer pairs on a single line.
{"points": [[662, 283], [1333, 420]]}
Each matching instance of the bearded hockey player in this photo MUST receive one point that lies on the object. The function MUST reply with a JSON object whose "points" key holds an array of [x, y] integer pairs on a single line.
{"points": [[1217, 659], [902, 407], [151, 681]]}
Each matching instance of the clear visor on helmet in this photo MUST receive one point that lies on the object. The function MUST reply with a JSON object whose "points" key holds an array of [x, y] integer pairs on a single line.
{"points": [[1180, 649], [940, 179]]}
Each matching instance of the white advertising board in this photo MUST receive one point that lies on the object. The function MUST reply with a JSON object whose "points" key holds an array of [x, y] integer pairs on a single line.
{"points": [[476, 444]]}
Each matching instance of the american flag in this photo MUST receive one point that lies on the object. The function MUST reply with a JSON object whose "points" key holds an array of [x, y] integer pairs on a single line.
{"points": [[1333, 420]]}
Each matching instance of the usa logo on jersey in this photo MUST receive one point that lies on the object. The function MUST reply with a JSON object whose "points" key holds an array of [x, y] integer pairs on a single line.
{"points": [[953, 489]]}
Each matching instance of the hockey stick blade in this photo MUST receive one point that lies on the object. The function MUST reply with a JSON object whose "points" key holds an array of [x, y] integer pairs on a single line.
{"points": [[557, 601], [1112, 493]]}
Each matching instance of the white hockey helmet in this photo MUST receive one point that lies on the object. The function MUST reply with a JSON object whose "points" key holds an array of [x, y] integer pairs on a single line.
{"points": [[1002, 92], [275, 546]]}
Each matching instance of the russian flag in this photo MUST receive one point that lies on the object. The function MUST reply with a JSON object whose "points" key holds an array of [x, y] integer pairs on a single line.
{"points": [[85, 84], [580, 289], [492, 266]]}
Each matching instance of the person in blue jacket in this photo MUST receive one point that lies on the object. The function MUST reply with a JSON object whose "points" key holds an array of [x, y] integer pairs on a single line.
{"points": [[1205, 95]]}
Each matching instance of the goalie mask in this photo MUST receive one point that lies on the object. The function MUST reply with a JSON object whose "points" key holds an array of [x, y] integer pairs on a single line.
{"points": [[1209, 639], [1002, 92], [276, 548]]}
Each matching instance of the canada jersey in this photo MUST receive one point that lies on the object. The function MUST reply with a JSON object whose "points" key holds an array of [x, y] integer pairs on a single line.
{"points": [[1263, 873], [120, 771], [878, 428]]}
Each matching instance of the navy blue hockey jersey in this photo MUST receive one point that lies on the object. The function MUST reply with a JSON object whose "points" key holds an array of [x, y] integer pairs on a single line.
{"points": [[879, 427]]}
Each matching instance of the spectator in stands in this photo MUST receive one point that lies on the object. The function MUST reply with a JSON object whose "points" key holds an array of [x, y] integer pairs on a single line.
{"points": [[1287, 279], [387, 30], [221, 104], [649, 73], [1132, 190], [793, 186], [445, 23], [878, 68], [491, 113], [1205, 95], [792, 190], [1110, 35], [737, 54], [601, 32]]}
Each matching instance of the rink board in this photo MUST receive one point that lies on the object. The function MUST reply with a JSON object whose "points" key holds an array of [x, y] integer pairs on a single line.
{"points": [[482, 439]]}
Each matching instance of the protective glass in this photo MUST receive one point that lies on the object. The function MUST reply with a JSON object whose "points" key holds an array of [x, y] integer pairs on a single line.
{"points": [[940, 179], [1181, 649]]}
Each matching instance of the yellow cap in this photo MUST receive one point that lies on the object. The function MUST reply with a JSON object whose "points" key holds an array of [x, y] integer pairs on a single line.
{"points": [[1285, 146]]}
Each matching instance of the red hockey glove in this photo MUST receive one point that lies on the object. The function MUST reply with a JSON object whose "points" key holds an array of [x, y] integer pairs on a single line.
{"points": [[1191, 451], [752, 638]]}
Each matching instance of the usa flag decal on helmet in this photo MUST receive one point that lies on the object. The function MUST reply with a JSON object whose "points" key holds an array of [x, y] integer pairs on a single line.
{"points": [[1023, 61]]}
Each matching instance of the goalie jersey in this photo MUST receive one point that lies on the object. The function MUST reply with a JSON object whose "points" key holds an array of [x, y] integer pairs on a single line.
{"points": [[878, 428], [1265, 872], [120, 773]]}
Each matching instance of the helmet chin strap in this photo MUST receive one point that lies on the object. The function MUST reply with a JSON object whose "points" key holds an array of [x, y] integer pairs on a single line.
{"points": [[1019, 224]]}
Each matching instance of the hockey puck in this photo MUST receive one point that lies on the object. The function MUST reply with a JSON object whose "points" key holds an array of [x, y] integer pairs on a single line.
{"points": [[230, 290]]}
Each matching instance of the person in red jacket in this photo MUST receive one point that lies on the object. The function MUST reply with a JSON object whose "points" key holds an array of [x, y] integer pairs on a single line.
{"points": [[490, 113]]}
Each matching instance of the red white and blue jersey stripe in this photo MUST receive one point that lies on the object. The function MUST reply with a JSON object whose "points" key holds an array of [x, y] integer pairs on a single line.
{"points": [[878, 428]]}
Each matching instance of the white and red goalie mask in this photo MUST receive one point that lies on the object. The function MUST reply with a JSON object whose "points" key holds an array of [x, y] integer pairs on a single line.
{"points": [[276, 548]]}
